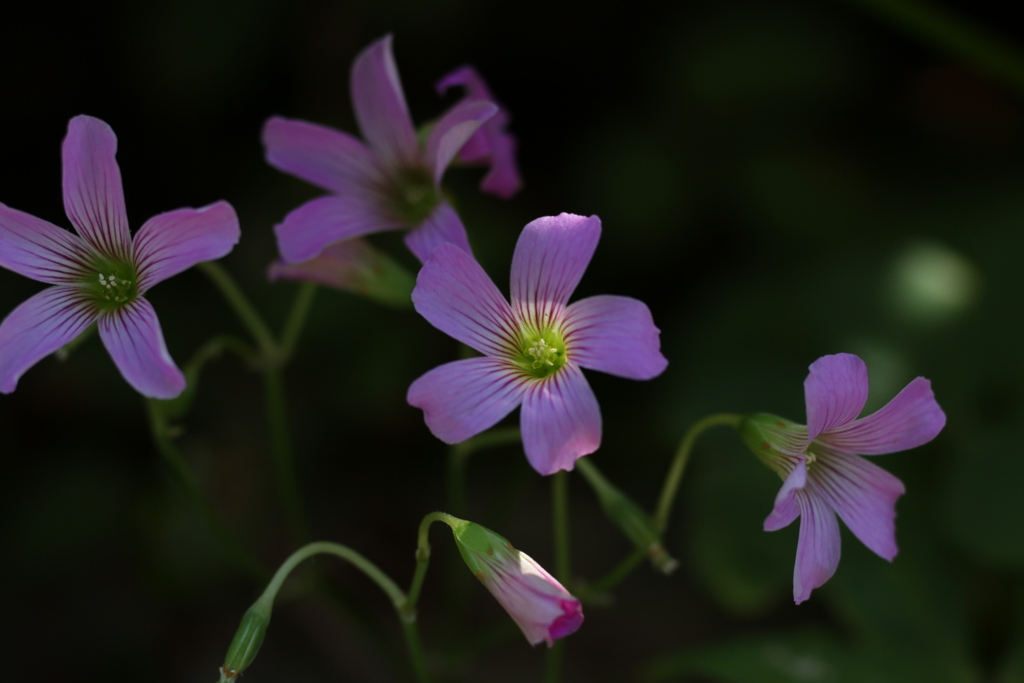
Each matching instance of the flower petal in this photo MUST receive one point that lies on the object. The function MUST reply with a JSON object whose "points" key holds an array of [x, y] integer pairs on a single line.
{"points": [[448, 136], [912, 418], [549, 261], [542, 608], [614, 334], [325, 220], [380, 106], [492, 144], [323, 156], [40, 250], [835, 390], [133, 337], [177, 240], [93, 195], [443, 225], [863, 494], [786, 508], [817, 550], [561, 421], [463, 398], [456, 296], [38, 327]]}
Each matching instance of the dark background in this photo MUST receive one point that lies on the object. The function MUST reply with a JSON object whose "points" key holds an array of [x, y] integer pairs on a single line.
{"points": [[777, 180]]}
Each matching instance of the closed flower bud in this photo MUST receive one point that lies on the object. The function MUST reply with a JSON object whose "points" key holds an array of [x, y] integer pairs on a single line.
{"points": [[247, 641]]}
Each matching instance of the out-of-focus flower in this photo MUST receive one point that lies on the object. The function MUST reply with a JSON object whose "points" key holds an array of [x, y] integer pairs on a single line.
{"points": [[100, 274], [536, 601], [390, 182], [822, 471], [533, 349], [492, 145]]}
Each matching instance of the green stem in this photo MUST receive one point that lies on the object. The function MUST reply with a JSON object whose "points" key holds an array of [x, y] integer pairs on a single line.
{"points": [[423, 557], [284, 460], [954, 34], [245, 310], [459, 454], [616, 576], [297, 318], [560, 518], [242, 559], [553, 664], [675, 472]]}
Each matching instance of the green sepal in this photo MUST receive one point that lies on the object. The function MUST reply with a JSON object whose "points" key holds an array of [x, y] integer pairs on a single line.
{"points": [[772, 439], [247, 641]]}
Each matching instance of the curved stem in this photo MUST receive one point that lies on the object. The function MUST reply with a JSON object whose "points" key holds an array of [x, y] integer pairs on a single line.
{"points": [[245, 310], [617, 575], [423, 558], [675, 471], [297, 318], [228, 542]]}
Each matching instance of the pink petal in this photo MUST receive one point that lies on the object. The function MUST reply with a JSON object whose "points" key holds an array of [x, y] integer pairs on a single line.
{"points": [[835, 391], [456, 296], [453, 130], [817, 550], [912, 418], [561, 421], [93, 196], [177, 240], [38, 327], [614, 334], [323, 156], [443, 225], [863, 494], [549, 261], [503, 180], [133, 337], [463, 398], [40, 250], [380, 106], [786, 508], [541, 606], [325, 220]]}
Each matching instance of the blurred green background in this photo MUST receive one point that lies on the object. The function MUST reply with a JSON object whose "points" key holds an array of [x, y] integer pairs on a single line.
{"points": [[777, 180]]}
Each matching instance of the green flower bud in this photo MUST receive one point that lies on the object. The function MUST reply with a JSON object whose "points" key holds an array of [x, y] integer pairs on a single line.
{"points": [[247, 640]]}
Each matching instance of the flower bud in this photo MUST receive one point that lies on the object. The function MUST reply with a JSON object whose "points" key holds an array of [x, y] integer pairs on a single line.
{"points": [[542, 608], [247, 640]]}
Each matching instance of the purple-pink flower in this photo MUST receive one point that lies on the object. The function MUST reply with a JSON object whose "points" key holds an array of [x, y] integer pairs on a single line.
{"points": [[390, 182], [100, 274], [534, 349], [492, 145], [541, 606], [822, 471]]}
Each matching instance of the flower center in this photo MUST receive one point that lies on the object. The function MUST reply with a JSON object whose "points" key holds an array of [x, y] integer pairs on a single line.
{"points": [[541, 354], [412, 196], [112, 284]]}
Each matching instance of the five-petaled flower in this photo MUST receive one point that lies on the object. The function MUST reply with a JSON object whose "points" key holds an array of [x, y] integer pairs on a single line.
{"points": [[391, 182], [534, 348], [544, 610], [822, 473], [100, 274]]}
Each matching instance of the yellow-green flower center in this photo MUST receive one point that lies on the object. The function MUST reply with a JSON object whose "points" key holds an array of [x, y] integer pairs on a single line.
{"points": [[112, 284], [541, 354]]}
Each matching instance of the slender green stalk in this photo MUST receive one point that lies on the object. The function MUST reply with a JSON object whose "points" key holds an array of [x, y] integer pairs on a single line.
{"points": [[297, 318], [553, 664], [245, 310], [235, 550], [675, 472], [284, 460], [560, 518], [459, 454], [616, 576], [955, 34], [423, 557]]}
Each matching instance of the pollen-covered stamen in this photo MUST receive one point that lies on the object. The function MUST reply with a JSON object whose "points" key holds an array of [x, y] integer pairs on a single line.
{"points": [[111, 284], [117, 290], [541, 353]]}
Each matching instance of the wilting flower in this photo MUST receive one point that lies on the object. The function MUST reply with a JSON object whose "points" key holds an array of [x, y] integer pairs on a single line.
{"points": [[100, 274], [390, 182], [822, 473], [534, 348], [492, 145], [544, 610]]}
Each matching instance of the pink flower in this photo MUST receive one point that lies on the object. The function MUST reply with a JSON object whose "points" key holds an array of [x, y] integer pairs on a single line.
{"points": [[390, 182], [534, 349], [544, 610], [100, 274], [492, 145], [822, 473]]}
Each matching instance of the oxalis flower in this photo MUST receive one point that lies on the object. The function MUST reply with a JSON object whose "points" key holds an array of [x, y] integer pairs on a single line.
{"points": [[100, 274], [390, 182], [822, 473], [541, 606], [533, 349]]}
